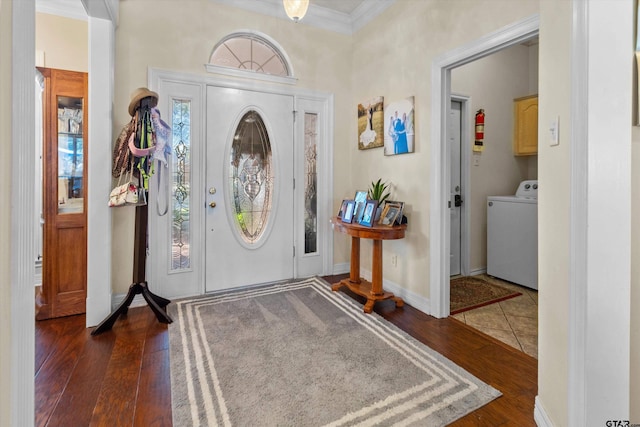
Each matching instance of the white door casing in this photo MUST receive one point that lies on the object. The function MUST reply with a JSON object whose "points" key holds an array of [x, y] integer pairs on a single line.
{"points": [[232, 259], [439, 171]]}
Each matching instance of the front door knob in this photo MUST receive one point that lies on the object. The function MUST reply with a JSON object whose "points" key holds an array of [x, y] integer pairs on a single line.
{"points": [[212, 204]]}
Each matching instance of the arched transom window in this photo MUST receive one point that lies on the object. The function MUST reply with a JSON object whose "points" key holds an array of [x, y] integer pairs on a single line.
{"points": [[250, 52]]}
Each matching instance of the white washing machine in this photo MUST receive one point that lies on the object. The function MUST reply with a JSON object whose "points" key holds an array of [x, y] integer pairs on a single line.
{"points": [[512, 235]]}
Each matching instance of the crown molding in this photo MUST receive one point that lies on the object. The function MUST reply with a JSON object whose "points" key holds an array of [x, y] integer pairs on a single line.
{"points": [[367, 11], [72, 9], [317, 16]]}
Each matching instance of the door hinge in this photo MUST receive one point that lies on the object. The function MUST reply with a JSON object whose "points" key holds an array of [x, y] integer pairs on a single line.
{"points": [[295, 114], [294, 251], [294, 183]]}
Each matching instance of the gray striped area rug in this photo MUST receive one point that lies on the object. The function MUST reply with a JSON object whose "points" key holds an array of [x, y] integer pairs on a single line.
{"points": [[298, 354]]}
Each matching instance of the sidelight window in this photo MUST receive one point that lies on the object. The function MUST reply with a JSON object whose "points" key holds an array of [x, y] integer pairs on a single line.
{"points": [[181, 184]]}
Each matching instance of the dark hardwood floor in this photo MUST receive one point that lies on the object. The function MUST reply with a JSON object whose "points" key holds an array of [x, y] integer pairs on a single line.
{"points": [[121, 377]]}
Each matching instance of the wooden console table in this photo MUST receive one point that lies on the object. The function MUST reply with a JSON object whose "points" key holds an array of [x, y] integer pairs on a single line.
{"points": [[372, 291]]}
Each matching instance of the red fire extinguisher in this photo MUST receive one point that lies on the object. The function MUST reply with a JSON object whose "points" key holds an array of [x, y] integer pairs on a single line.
{"points": [[479, 141]]}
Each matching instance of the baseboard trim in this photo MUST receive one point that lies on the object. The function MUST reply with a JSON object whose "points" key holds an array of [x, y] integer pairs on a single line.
{"points": [[341, 268], [138, 301], [540, 415], [478, 271], [414, 300]]}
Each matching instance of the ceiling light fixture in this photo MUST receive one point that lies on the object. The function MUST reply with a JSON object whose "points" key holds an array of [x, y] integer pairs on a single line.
{"points": [[295, 8]]}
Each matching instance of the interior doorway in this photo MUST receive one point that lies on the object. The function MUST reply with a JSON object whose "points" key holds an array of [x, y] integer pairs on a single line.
{"points": [[63, 290], [492, 82], [514, 34]]}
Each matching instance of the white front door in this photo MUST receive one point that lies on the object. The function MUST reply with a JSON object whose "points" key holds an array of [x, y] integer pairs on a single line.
{"points": [[249, 188], [455, 198]]}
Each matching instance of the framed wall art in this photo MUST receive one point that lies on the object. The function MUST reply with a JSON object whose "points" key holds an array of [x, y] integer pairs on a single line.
{"points": [[371, 123], [399, 134]]}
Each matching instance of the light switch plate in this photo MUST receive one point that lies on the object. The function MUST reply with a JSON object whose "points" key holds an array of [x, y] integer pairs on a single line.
{"points": [[554, 132]]}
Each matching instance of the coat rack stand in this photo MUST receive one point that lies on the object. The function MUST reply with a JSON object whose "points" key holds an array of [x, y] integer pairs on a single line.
{"points": [[139, 286]]}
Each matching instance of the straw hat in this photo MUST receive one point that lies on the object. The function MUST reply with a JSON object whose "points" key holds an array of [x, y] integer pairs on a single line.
{"points": [[138, 95]]}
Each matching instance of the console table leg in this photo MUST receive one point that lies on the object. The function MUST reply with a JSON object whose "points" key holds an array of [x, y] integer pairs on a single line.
{"points": [[354, 274], [399, 301], [376, 267], [368, 307]]}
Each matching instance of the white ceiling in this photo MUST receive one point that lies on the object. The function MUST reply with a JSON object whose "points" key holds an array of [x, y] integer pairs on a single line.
{"points": [[342, 16], [344, 6]]}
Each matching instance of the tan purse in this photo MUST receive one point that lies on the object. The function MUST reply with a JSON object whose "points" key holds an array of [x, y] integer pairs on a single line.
{"points": [[127, 194]]}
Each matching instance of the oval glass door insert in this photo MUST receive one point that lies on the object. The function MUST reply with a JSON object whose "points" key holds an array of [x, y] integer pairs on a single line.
{"points": [[251, 178]]}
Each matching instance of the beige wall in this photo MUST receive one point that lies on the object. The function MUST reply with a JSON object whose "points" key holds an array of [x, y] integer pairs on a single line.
{"points": [[63, 41], [492, 83], [5, 212], [553, 210], [392, 57], [183, 42]]}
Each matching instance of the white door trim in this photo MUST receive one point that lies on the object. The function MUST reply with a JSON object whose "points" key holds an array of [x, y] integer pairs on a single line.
{"points": [[439, 170], [20, 329], [576, 383], [99, 231], [325, 148], [465, 181], [22, 238], [600, 237]]}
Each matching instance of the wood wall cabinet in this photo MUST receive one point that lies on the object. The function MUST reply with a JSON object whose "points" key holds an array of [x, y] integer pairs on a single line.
{"points": [[525, 126], [64, 266]]}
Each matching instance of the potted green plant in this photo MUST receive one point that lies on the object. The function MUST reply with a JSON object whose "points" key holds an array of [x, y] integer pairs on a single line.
{"points": [[378, 191]]}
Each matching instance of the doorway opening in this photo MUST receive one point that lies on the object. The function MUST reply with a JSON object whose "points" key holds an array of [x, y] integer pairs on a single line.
{"points": [[442, 67], [491, 81]]}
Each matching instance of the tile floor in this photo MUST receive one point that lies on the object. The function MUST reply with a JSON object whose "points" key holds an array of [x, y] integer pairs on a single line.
{"points": [[513, 321]]}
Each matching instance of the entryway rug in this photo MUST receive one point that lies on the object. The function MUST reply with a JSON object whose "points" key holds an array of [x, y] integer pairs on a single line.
{"points": [[298, 354], [469, 292]]}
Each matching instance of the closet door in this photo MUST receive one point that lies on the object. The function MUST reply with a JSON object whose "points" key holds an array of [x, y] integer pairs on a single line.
{"points": [[64, 279]]}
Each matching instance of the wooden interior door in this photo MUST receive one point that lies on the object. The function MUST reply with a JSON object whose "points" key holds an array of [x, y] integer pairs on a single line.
{"points": [[64, 275]]}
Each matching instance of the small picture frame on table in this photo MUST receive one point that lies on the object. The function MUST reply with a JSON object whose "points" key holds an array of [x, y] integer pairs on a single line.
{"points": [[399, 217], [369, 214], [343, 207], [347, 215], [389, 214], [360, 200]]}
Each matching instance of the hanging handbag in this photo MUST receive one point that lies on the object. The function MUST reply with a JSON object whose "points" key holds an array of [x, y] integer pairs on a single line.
{"points": [[128, 193]]}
